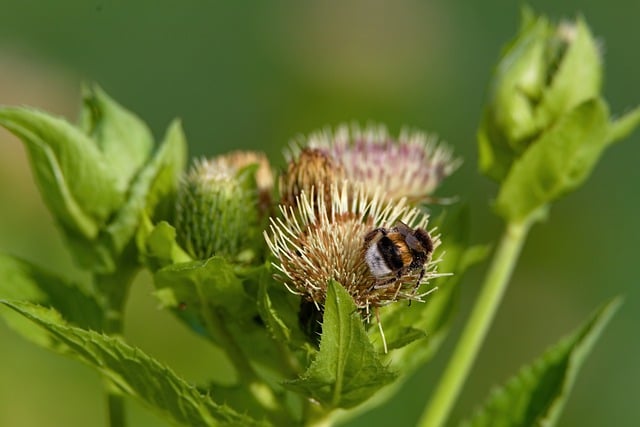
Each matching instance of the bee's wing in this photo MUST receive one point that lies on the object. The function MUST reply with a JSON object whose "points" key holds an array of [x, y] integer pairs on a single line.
{"points": [[403, 229], [413, 242], [373, 236]]}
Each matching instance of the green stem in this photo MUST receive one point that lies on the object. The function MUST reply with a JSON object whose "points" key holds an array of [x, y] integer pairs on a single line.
{"points": [[114, 289], [215, 324], [115, 405], [314, 416], [247, 376], [473, 335], [217, 329]]}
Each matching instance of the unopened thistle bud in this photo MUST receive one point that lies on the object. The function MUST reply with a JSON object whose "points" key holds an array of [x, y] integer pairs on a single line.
{"points": [[314, 244], [263, 175], [545, 72], [219, 206], [410, 166]]}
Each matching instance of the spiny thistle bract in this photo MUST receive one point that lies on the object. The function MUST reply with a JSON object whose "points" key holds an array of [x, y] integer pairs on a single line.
{"points": [[338, 188], [310, 169], [221, 206]]}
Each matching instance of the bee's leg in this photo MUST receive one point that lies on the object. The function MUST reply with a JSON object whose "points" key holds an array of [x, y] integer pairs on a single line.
{"points": [[374, 235], [420, 277], [383, 284], [395, 296], [399, 275], [415, 289]]}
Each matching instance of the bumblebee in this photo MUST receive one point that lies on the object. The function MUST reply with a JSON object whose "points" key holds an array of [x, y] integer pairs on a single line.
{"points": [[393, 253]]}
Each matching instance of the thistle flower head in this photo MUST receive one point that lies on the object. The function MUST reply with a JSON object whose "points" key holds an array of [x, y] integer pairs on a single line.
{"points": [[311, 168], [219, 203], [410, 166], [323, 240]]}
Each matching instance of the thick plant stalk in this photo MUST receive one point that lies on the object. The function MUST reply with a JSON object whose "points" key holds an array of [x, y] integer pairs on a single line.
{"points": [[114, 289], [475, 331]]}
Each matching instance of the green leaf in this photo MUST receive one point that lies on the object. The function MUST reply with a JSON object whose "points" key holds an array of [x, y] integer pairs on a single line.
{"points": [[215, 298], [206, 295], [199, 286], [347, 370], [155, 185], [537, 394], [172, 160], [273, 318], [99, 188], [159, 178], [416, 332], [508, 119], [135, 373], [125, 140], [279, 310], [75, 181], [555, 164], [21, 280], [212, 300], [494, 156], [577, 79], [157, 245]]}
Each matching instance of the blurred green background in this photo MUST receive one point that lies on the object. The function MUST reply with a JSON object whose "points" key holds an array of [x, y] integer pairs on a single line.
{"points": [[255, 74]]}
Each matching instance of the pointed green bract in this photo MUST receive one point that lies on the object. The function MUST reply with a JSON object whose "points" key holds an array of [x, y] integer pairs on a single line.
{"points": [[75, 181], [578, 76], [537, 394], [557, 163], [273, 318], [279, 309], [153, 186], [134, 373], [171, 160], [157, 245], [347, 369], [125, 140]]}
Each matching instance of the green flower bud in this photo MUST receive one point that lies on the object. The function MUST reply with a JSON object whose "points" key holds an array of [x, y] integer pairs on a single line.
{"points": [[219, 206], [545, 72]]}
